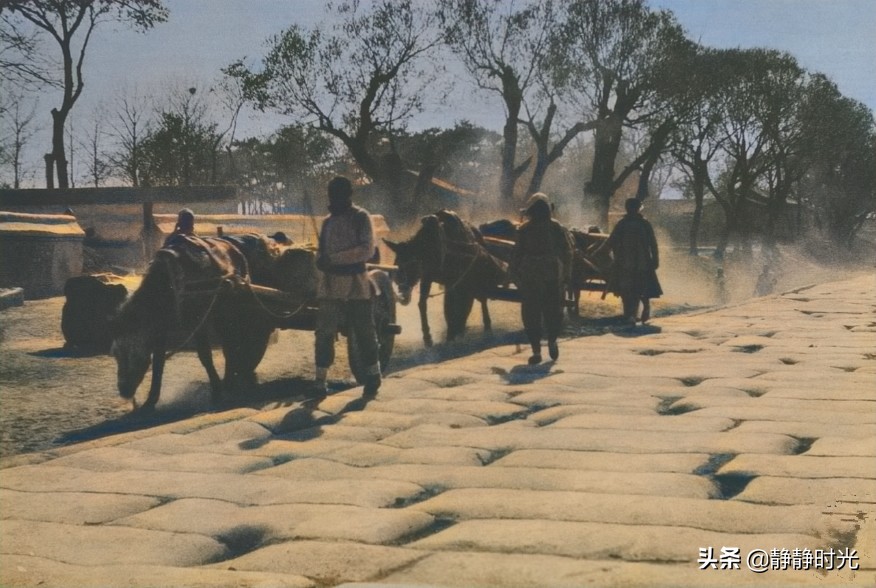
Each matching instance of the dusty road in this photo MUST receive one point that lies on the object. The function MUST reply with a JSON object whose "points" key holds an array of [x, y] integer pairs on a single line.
{"points": [[50, 396]]}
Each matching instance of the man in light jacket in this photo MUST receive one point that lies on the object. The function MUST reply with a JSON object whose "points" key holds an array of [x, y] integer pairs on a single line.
{"points": [[346, 243]]}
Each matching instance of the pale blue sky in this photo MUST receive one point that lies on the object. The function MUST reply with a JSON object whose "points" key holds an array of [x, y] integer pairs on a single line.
{"points": [[835, 37]]}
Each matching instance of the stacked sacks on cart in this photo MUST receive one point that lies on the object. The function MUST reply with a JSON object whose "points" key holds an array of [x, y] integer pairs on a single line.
{"points": [[278, 263]]}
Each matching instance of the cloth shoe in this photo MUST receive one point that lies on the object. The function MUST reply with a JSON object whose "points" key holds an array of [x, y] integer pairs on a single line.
{"points": [[319, 389], [372, 384]]}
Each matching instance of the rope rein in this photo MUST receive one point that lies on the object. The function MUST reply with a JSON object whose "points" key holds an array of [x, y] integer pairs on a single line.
{"points": [[475, 257]]}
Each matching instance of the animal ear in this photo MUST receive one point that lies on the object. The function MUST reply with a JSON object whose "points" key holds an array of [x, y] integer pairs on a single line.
{"points": [[430, 221]]}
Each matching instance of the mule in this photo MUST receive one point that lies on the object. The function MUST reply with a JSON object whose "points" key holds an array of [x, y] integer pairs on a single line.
{"points": [[448, 251], [194, 286]]}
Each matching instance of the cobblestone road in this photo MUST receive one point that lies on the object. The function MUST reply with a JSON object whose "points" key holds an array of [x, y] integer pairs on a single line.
{"points": [[637, 459]]}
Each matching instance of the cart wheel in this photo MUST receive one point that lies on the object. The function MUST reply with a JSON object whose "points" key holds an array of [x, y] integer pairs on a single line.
{"points": [[384, 316]]}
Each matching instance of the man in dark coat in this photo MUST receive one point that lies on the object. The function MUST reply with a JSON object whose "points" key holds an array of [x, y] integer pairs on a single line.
{"points": [[541, 265], [185, 227], [636, 259]]}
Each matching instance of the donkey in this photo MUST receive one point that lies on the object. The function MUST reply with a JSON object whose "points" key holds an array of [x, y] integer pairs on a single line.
{"points": [[448, 251], [193, 286]]}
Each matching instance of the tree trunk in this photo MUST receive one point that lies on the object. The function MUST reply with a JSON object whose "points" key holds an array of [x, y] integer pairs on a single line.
{"points": [[509, 153], [699, 190], [599, 190], [59, 155], [50, 171], [513, 101], [541, 166]]}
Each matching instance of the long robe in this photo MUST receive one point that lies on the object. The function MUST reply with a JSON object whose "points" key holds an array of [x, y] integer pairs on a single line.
{"points": [[636, 259]]}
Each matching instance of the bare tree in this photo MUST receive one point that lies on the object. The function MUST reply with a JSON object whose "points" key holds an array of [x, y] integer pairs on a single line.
{"points": [[17, 118], [97, 164], [357, 80], [503, 46], [21, 62], [129, 126], [616, 51], [70, 24]]}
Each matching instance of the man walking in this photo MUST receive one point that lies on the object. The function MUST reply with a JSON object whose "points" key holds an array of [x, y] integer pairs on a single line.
{"points": [[346, 243], [636, 259], [541, 264]]}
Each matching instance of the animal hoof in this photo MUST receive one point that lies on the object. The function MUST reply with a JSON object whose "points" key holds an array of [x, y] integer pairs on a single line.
{"points": [[535, 359], [553, 350]]}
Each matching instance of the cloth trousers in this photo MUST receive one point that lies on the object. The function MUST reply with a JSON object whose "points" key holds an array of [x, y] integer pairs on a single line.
{"points": [[541, 301], [357, 316]]}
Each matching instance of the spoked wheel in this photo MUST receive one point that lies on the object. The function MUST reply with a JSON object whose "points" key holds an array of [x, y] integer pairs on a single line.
{"points": [[384, 322]]}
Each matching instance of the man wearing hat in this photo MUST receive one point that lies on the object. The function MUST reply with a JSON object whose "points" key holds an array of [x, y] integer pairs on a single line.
{"points": [[185, 227], [346, 243], [541, 265]]}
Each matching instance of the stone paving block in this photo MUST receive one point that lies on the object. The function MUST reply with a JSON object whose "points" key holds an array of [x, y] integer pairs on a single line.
{"points": [[460, 456], [243, 429], [106, 545], [481, 570], [804, 430], [326, 563], [768, 402], [852, 392], [546, 416], [373, 454], [431, 476], [685, 423], [480, 391], [339, 432], [816, 379], [256, 525], [723, 516], [485, 410], [442, 375], [378, 419], [76, 508], [600, 540], [714, 388], [505, 438], [118, 458], [169, 443], [774, 411], [241, 489], [839, 446], [364, 454], [801, 466], [287, 418], [376, 526], [545, 396], [18, 570], [824, 492], [281, 449], [603, 461]]}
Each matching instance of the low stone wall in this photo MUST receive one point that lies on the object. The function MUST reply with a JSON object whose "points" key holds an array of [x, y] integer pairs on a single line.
{"points": [[39, 252]]}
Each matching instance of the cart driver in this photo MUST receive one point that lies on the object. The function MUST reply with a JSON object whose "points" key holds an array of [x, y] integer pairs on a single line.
{"points": [[346, 243]]}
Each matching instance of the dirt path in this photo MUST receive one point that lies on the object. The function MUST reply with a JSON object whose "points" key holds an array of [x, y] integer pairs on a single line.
{"points": [[50, 396]]}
